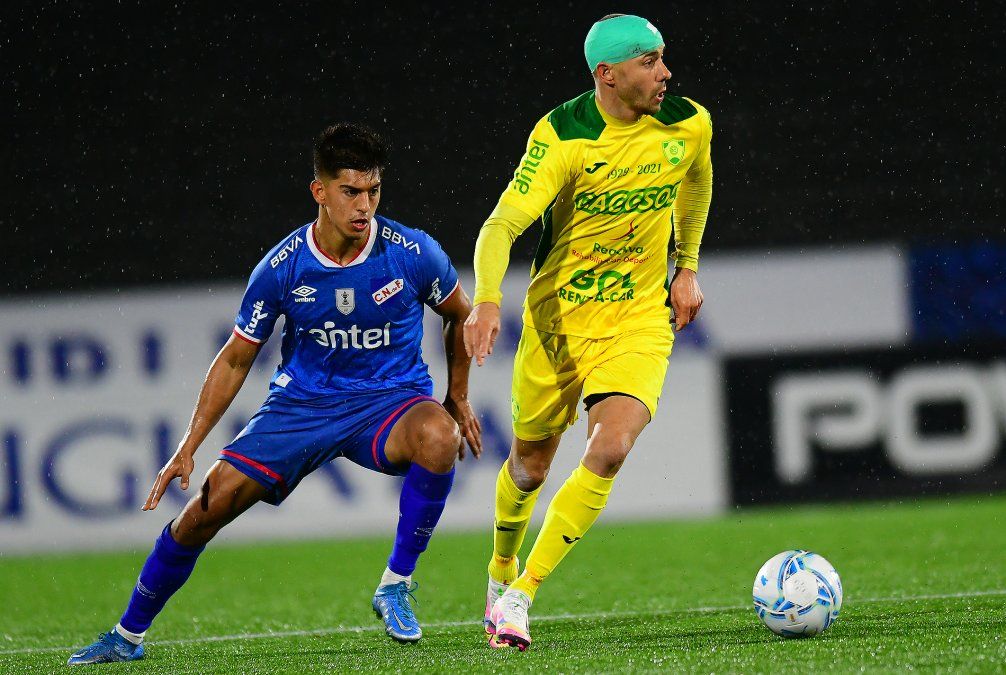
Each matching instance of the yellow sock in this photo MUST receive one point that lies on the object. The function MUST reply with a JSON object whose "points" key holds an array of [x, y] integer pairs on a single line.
{"points": [[513, 512], [573, 510]]}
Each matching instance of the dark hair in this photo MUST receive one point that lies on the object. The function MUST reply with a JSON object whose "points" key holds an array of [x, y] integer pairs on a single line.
{"points": [[610, 16], [348, 146]]}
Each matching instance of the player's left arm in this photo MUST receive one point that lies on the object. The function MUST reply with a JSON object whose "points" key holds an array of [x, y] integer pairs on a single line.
{"points": [[691, 209], [440, 289], [455, 310]]}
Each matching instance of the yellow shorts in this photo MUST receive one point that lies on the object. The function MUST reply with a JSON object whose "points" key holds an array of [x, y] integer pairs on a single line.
{"points": [[551, 372]]}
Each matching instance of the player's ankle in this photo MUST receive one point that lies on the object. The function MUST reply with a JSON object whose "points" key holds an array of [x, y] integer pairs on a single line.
{"points": [[503, 570], [390, 578], [135, 638], [526, 584]]}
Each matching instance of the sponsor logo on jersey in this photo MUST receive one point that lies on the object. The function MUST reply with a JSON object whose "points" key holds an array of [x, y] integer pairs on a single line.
{"points": [[257, 314], [399, 238], [345, 300], [621, 250], [617, 202], [353, 337], [523, 176], [285, 252], [603, 255], [610, 286], [436, 296], [597, 165], [388, 290], [674, 151], [304, 293], [628, 235]]}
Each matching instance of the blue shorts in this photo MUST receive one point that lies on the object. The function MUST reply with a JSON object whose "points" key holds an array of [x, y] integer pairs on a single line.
{"points": [[286, 440]]}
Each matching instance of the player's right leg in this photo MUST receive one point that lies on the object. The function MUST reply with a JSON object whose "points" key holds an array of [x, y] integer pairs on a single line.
{"points": [[224, 495], [422, 444], [517, 486]]}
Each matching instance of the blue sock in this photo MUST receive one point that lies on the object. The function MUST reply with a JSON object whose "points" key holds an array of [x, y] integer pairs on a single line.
{"points": [[166, 569], [424, 495]]}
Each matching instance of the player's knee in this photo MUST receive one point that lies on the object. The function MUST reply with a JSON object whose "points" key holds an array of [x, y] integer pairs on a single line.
{"points": [[529, 473], [436, 441], [195, 526], [206, 513], [610, 451]]}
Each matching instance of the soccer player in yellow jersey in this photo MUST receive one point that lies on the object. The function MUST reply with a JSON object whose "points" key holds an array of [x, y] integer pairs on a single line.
{"points": [[616, 175]]}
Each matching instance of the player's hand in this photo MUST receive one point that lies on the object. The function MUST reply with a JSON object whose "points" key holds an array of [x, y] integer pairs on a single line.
{"points": [[471, 429], [686, 297], [179, 466], [480, 330]]}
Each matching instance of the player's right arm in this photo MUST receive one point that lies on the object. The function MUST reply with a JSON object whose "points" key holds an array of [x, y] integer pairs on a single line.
{"points": [[539, 176], [223, 381], [260, 307]]}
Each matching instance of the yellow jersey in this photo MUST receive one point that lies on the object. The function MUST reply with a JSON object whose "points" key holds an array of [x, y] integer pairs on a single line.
{"points": [[610, 194]]}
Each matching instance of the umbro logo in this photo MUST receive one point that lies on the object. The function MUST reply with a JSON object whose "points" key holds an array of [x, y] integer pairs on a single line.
{"points": [[597, 165], [568, 540], [304, 292]]}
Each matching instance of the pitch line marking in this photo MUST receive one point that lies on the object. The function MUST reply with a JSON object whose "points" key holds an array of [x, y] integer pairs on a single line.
{"points": [[338, 630]]}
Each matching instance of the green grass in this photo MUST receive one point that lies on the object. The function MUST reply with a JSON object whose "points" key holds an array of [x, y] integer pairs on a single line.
{"points": [[925, 585]]}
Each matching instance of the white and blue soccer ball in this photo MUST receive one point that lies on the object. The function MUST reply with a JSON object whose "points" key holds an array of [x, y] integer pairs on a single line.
{"points": [[797, 594]]}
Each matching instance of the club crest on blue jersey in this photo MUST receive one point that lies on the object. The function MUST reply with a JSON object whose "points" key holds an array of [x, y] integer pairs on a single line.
{"points": [[345, 300]]}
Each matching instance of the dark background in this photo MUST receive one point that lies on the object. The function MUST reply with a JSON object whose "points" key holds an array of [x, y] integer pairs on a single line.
{"points": [[170, 142]]}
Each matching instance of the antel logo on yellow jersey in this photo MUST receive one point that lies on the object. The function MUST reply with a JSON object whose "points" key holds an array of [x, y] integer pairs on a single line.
{"points": [[523, 176], [617, 202]]}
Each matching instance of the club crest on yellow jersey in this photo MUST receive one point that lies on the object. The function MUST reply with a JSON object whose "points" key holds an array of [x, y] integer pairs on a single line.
{"points": [[674, 151]]}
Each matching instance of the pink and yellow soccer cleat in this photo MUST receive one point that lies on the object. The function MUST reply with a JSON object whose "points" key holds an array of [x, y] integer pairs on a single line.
{"points": [[493, 593], [509, 618]]}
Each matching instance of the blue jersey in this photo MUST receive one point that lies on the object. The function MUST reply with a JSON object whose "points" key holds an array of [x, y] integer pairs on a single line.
{"points": [[349, 328]]}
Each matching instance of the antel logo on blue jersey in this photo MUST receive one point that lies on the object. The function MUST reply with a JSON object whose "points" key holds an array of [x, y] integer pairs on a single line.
{"points": [[352, 338], [388, 290]]}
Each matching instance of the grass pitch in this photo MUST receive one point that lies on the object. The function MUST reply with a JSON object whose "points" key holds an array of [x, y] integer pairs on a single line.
{"points": [[925, 589]]}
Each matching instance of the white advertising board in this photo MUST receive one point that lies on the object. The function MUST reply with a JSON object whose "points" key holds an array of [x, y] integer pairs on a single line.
{"points": [[95, 392]]}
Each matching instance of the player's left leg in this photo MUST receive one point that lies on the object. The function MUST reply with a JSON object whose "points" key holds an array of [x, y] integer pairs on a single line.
{"points": [[614, 423], [624, 381], [426, 440]]}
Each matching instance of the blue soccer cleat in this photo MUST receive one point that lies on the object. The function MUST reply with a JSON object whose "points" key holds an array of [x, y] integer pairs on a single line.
{"points": [[391, 604], [109, 648]]}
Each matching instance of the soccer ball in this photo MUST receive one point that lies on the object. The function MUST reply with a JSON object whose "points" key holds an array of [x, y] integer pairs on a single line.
{"points": [[797, 594]]}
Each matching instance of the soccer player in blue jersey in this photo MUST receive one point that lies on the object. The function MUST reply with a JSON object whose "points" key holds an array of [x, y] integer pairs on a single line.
{"points": [[352, 383]]}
